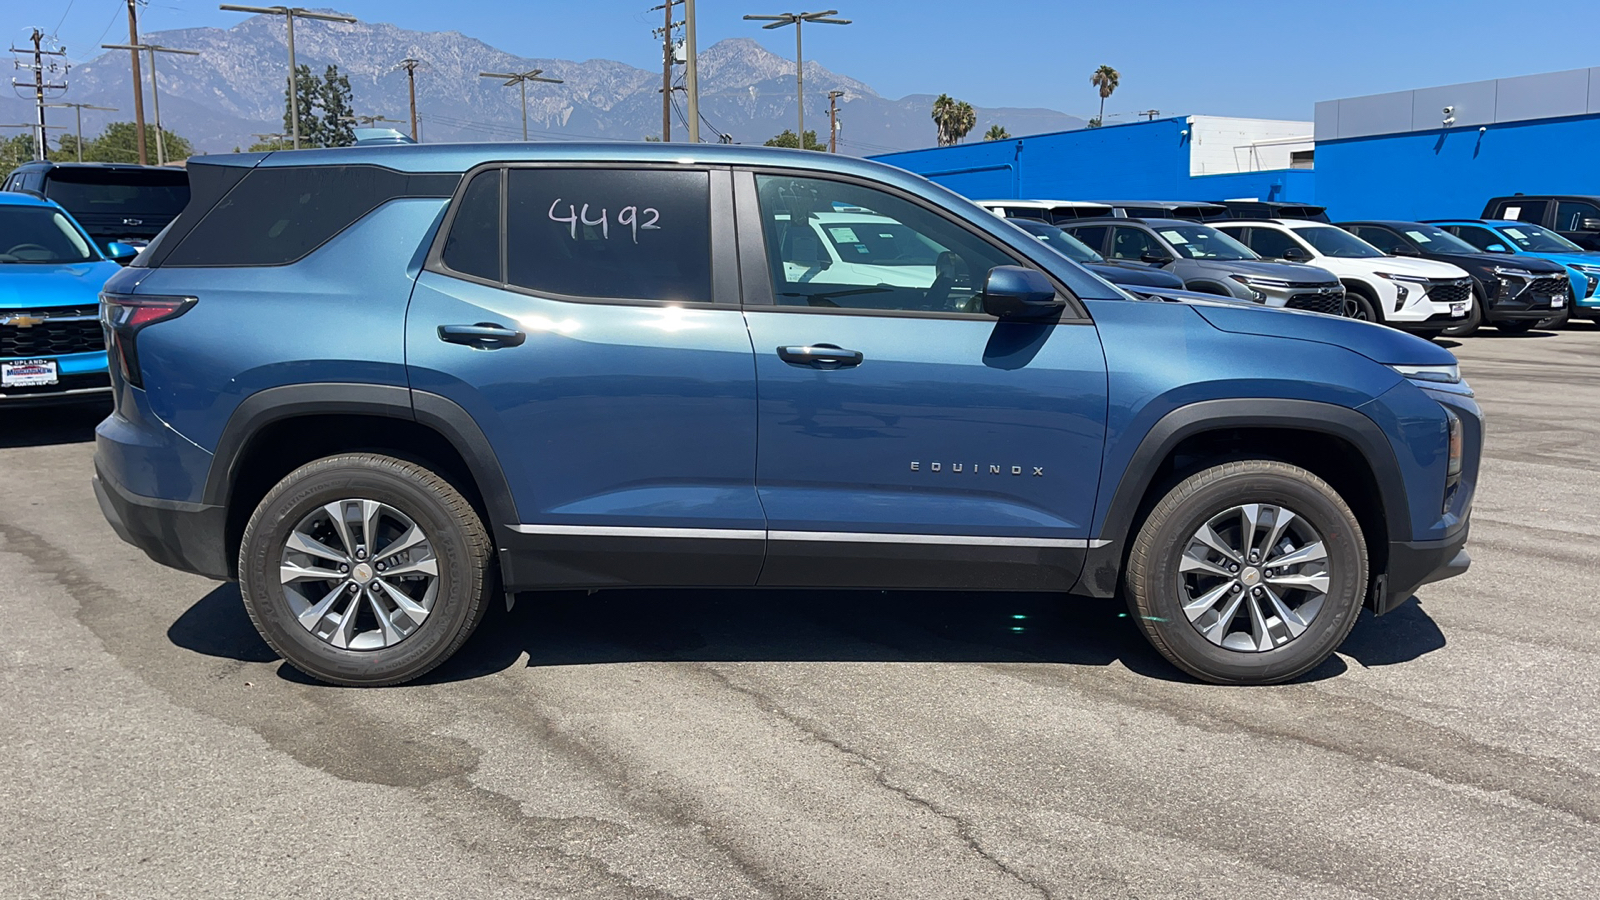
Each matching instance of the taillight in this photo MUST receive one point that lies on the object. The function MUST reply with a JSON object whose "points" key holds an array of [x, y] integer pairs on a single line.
{"points": [[124, 315]]}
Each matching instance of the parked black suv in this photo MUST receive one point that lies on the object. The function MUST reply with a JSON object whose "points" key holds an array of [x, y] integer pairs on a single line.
{"points": [[1513, 295], [1575, 217], [112, 201], [1193, 210], [1274, 209]]}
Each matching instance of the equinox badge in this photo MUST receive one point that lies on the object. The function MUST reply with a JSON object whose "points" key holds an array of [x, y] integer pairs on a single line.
{"points": [[975, 468]]}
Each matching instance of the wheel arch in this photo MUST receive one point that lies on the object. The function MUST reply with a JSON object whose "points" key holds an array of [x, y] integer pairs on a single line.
{"points": [[1339, 444], [1358, 286]]}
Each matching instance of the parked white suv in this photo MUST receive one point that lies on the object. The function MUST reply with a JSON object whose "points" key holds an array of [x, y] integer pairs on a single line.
{"points": [[1418, 295]]}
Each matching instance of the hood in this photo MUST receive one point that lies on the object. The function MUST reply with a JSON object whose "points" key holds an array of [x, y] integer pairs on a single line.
{"points": [[1283, 271], [1410, 265], [1488, 261], [1139, 275], [1378, 343], [1565, 259], [36, 286]]}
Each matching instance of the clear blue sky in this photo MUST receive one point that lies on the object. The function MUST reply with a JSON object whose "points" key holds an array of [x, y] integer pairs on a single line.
{"points": [[1223, 57]]}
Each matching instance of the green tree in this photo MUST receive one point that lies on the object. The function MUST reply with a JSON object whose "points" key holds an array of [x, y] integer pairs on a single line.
{"points": [[120, 143], [1106, 80], [953, 118], [273, 144], [308, 96], [787, 139], [14, 152], [337, 110], [997, 133], [1093, 123]]}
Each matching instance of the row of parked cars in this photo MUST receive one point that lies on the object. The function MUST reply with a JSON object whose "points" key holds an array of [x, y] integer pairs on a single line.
{"points": [[1441, 277]]}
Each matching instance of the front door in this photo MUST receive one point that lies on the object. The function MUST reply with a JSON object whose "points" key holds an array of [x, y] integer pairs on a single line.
{"points": [[907, 439], [597, 342]]}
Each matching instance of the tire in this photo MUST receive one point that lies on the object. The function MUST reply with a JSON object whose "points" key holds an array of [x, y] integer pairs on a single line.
{"points": [[1368, 302], [1515, 326], [386, 641], [1357, 306], [1471, 324], [1164, 574]]}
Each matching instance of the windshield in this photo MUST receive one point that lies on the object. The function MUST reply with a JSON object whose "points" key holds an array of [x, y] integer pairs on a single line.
{"points": [[1059, 241], [1536, 240], [119, 192], [881, 243], [36, 234], [1204, 242], [1436, 240], [1337, 242]]}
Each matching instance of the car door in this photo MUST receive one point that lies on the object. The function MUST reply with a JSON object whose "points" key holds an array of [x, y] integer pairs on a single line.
{"points": [[907, 439], [586, 319]]}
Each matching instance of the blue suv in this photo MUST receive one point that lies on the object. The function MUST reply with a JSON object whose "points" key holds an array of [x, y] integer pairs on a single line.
{"points": [[382, 386]]}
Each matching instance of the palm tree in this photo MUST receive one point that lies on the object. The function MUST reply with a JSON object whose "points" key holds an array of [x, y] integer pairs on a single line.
{"points": [[996, 133], [954, 119], [1105, 78], [965, 120]]}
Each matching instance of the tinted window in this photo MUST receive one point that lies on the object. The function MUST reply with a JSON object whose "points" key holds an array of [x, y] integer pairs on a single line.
{"points": [[120, 192], [36, 234], [1523, 210], [1134, 244], [610, 234], [1271, 243], [1204, 242], [278, 215], [943, 270], [1481, 238], [1571, 213], [473, 246], [1337, 242], [1059, 241], [1092, 236], [1430, 239], [1381, 238]]}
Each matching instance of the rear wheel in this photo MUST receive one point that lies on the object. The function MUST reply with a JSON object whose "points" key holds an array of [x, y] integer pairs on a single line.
{"points": [[364, 569], [1248, 573]]}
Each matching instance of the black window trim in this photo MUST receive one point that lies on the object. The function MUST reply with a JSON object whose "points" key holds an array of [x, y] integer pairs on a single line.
{"points": [[164, 263], [724, 267], [756, 272]]}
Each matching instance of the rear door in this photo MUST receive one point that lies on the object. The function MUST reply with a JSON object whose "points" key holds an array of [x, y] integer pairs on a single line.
{"points": [[587, 319], [907, 439]]}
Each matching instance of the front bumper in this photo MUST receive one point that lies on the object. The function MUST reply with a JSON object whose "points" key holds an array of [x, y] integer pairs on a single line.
{"points": [[82, 377], [1413, 564], [187, 536]]}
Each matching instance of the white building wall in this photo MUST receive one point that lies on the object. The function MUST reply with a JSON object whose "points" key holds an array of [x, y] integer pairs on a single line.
{"points": [[1220, 144]]}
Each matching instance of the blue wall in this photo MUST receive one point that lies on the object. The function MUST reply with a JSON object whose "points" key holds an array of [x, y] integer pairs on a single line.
{"points": [[1451, 173], [1133, 161]]}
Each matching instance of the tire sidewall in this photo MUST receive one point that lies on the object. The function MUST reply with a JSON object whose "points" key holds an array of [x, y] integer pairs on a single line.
{"points": [[260, 555], [1341, 537]]}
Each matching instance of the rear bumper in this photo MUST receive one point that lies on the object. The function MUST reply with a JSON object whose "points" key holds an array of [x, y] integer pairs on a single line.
{"points": [[187, 536], [1413, 564]]}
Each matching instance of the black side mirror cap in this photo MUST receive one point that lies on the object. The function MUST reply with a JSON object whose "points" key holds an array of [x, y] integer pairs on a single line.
{"points": [[1404, 250], [1294, 254], [1012, 292], [1589, 225], [1155, 259]]}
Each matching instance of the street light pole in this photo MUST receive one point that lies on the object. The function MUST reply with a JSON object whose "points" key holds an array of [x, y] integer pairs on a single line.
{"points": [[289, 13], [79, 108], [521, 79], [798, 19], [155, 93], [410, 64]]}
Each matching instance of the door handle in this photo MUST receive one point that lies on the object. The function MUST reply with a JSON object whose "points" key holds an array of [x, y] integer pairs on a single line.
{"points": [[820, 356], [482, 336]]}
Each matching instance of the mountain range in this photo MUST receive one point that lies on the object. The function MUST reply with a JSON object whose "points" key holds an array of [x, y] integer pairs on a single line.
{"points": [[233, 91]]}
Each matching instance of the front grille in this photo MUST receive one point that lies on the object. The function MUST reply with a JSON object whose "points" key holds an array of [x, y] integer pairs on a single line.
{"points": [[1549, 286], [61, 330], [1330, 301], [1450, 291]]}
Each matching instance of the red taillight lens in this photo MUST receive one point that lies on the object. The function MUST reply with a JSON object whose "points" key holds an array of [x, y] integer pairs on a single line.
{"points": [[124, 316]]}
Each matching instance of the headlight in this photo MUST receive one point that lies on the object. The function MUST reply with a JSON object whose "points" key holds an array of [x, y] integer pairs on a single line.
{"points": [[1258, 281], [1438, 374], [1456, 443], [1393, 276], [1587, 270], [1519, 273]]}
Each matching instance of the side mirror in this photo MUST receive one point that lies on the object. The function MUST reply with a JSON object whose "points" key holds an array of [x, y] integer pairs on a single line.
{"points": [[1497, 248], [1012, 292], [1405, 250], [1155, 259], [120, 252], [1589, 225], [1293, 254]]}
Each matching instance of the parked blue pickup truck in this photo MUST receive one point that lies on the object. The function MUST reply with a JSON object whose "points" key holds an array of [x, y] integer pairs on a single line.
{"points": [[380, 385]]}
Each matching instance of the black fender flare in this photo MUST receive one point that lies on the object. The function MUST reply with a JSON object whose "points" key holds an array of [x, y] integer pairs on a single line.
{"points": [[433, 411], [1102, 570], [1204, 286]]}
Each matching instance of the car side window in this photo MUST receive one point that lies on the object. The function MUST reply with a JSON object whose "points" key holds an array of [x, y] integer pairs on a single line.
{"points": [[1523, 210], [1093, 235], [610, 234], [1134, 244], [1571, 213], [1272, 243], [839, 245], [1482, 238], [1382, 238], [473, 245]]}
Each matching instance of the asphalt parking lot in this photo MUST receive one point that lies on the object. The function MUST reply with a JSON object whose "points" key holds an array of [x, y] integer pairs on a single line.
{"points": [[805, 745]]}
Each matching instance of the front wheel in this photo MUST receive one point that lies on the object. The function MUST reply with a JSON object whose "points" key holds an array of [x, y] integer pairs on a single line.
{"points": [[364, 569], [1357, 306], [1248, 573]]}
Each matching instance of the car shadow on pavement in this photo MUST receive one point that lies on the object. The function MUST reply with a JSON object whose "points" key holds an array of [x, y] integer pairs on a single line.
{"points": [[570, 628], [40, 426]]}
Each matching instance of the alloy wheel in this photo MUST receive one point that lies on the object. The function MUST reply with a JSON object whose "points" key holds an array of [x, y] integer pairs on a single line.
{"points": [[1353, 308], [359, 574], [1253, 577]]}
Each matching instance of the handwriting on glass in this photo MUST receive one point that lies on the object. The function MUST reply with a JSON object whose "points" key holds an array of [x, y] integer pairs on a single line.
{"points": [[627, 217]]}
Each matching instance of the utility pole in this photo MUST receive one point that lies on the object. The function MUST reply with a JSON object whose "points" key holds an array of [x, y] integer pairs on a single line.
{"points": [[1149, 114], [41, 141], [691, 71], [522, 79], [833, 120], [79, 108], [410, 65], [798, 19], [667, 60], [138, 81], [155, 92], [289, 13]]}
